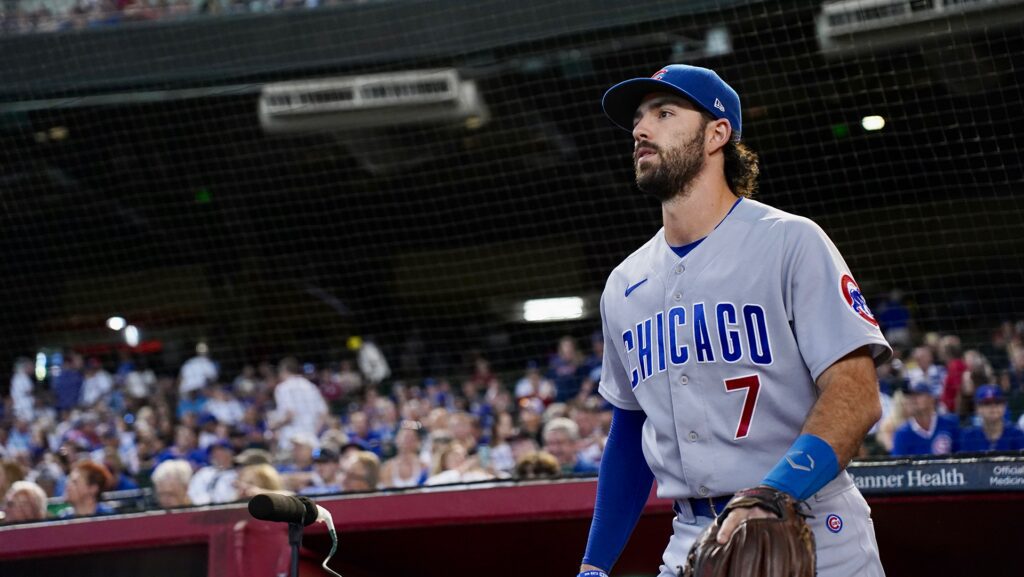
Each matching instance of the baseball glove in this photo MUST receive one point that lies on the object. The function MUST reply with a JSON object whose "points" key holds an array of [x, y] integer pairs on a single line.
{"points": [[780, 547]]}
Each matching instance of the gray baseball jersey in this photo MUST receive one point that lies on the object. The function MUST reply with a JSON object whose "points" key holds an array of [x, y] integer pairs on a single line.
{"points": [[721, 348]]}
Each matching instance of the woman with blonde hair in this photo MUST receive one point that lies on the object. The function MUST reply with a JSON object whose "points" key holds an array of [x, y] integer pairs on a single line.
{"points": [[404, 469], [454, 465], [24, 501], [258, 479]]}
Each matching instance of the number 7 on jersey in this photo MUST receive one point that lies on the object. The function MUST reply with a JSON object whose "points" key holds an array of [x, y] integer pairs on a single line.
{"points": [[752, 384]]}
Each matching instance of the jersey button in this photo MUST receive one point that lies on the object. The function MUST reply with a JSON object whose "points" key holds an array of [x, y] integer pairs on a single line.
{"points": [[703, 491], [677, 297], [680, 268], [684, 380], [693, 436]]}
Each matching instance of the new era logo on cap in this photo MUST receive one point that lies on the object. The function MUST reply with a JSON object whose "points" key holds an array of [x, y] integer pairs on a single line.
{"points": [[718, 105]]}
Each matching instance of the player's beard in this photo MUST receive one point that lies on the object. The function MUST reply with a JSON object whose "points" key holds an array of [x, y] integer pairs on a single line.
{"points": [[676, 171]]}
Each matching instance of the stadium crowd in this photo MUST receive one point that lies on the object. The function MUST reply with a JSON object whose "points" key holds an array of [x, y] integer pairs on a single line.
{"points": [[87, 441], [28, 16]]}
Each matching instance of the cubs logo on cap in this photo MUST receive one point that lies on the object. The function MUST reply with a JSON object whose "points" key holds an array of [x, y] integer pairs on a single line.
{"points": [[855, 299]]}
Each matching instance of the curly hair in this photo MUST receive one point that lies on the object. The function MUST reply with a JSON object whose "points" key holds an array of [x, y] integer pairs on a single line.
{"points": [[742, 166], [741, 169]]}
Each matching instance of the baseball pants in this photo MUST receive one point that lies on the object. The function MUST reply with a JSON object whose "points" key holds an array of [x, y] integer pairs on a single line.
{"points": [[843, 532]]}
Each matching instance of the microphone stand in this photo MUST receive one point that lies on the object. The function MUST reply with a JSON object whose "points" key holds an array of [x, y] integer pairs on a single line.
{"points": [[295, 540]]}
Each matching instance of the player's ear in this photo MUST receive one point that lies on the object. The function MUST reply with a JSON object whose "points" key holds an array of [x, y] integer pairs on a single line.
{"points": [[718, 134]]}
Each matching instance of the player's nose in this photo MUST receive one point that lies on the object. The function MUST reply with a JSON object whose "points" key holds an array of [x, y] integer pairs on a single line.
{"points": [[641, 132]]}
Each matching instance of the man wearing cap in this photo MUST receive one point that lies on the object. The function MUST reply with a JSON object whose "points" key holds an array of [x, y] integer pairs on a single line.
{"points": [[739, 352], [326, 472], [995, 433], [215, 483], [926, 432]]}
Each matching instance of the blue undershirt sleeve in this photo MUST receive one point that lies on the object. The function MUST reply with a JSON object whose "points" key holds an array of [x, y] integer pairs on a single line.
{"points": [[623, 486]]}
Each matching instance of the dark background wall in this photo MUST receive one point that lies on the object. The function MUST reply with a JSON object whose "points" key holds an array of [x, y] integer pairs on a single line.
{"points": [[135, 178]]}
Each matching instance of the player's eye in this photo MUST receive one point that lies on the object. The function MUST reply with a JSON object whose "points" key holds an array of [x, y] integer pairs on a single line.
{"points": [[663, 113]]}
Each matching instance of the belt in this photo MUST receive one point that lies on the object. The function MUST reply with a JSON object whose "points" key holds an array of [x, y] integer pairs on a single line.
{"points": [[705, 507]]}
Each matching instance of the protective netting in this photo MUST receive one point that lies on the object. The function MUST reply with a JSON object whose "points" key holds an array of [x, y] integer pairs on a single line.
{"points": [[162, 199]]}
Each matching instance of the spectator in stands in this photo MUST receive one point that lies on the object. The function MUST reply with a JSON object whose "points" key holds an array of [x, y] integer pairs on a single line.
{"points": [[385, 423], [300, 460], [894, 319], [85, 484], [560, 438], [297, 470], [565, 369], [454, 465], [215, 483], [326, 473], [19, 440], [1013, 381], [405, 469], [224, 406], [254, 456], [197, 372], [979, 372], [247, 384], [361, 472], [465, 429], [994, 434], [951, 355], [927, 371], [257, 479], [67, 385], [349, 379], [531, 421], [522, 444], [925, 432], [121, 480], [359, 431], [22, 399], [533, 385], [185, 446], [97, 383], [587, 417], [501, 433], [170, 483], [10, 473], [300, 406], [24, 501], [538, 465]]}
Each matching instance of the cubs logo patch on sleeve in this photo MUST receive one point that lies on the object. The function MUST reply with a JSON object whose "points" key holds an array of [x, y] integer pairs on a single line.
{"points": [[855, 299], [834, 523]]}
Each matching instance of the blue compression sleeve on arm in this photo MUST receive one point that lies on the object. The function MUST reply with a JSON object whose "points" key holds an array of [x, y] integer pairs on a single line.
{"points": [[809, 464], [623, 485]]}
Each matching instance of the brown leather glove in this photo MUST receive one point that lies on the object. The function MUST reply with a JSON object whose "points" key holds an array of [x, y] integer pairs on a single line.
{"points": [[779, 547]]}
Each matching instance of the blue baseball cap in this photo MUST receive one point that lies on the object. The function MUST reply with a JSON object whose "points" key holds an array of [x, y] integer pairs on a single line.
{"points": [[920, 387], [988, 394], [699, 85]]}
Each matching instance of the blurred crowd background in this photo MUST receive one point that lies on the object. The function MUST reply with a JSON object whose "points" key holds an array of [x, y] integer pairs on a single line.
{"points": [[104, 435], [30, 16]]}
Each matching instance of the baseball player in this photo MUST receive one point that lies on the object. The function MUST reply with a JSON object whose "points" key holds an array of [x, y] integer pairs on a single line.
{"points": [[739, 350]]}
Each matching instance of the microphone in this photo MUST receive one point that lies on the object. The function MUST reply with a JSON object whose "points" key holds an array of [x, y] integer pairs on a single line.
{"points": [[285, 509]]}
